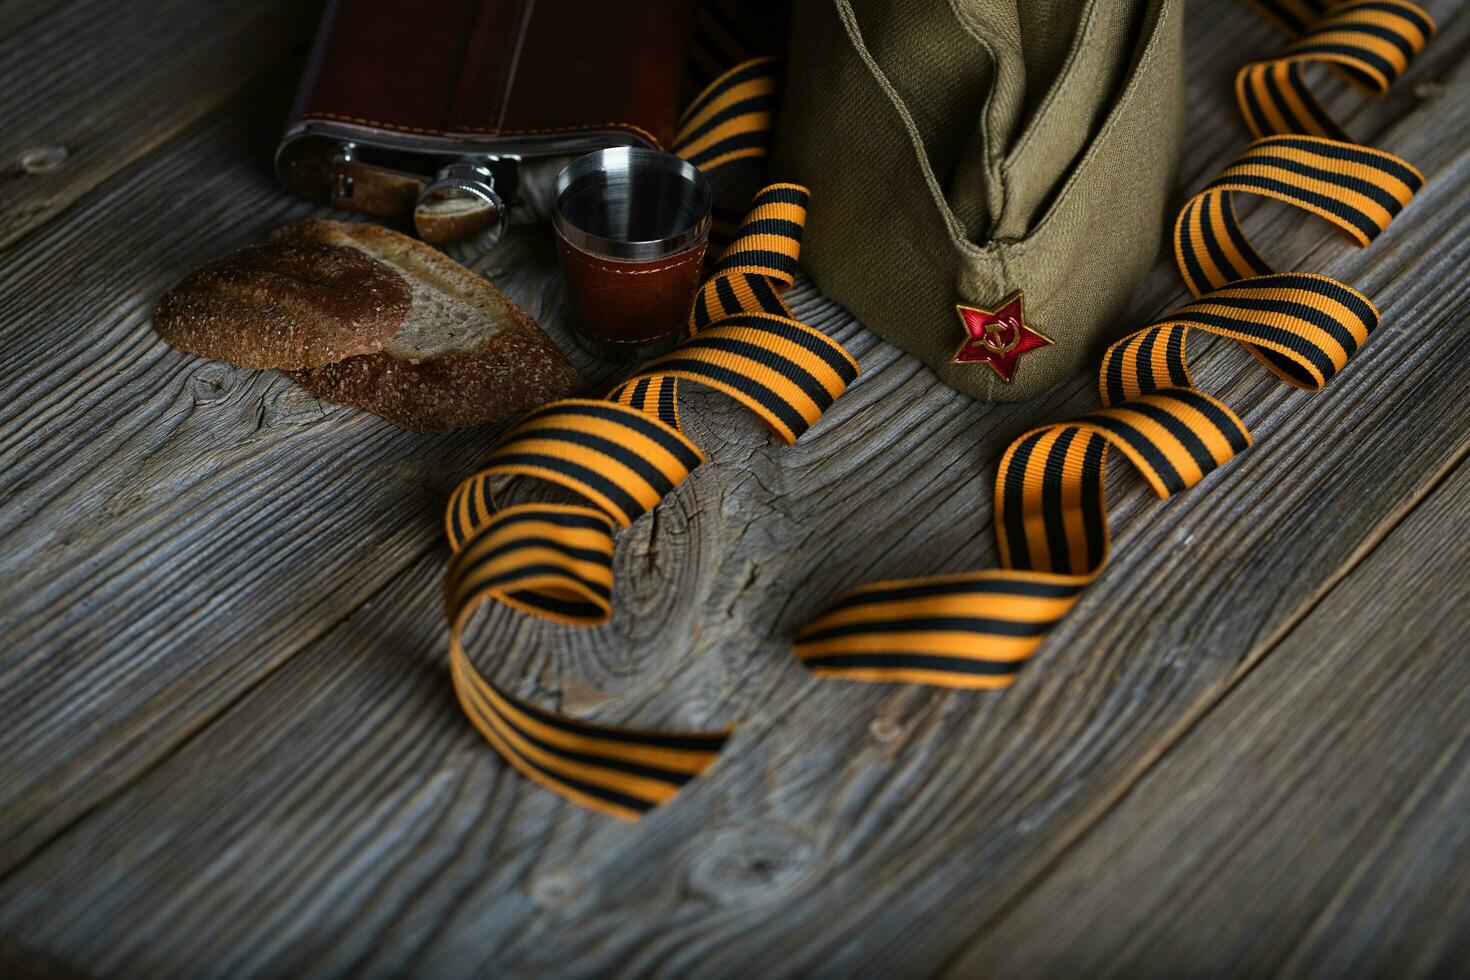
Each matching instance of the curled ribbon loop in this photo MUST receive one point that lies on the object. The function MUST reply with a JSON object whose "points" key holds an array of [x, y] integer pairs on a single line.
{"points": [[729, 122], [745, 341], [971, 630], [975, 630], [1357, 189], [1369, 42], [548, 560], [1302, 327], [621, 456]]}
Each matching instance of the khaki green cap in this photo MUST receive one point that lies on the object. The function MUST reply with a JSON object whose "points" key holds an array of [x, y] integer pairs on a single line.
{"points": [[960, 152]]}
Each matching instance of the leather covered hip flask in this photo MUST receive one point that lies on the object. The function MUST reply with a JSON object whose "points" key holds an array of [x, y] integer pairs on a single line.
{"points": [[436, 111]]}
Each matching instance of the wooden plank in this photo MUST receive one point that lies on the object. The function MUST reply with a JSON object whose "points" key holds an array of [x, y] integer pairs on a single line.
{"points": [[342, 818], [1313, 823], [16, 14], [172, 528], [788, 823], [87, 88], [26, 965], [95, 409]]}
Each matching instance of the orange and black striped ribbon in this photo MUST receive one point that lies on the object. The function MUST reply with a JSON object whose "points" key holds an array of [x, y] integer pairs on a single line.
{"points": [[975, 630], [745, 341], [1367, 42], [621, 455], [729, 122], [1357, 189]]}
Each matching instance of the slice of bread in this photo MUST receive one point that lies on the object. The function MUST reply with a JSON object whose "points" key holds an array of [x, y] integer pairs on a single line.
{"points": [[465, 354], [285, 304]]}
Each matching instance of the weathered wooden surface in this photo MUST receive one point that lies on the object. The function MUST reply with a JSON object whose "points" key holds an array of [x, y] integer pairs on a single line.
{"points": [[92, 86], [1268, 798], [230, 745]]}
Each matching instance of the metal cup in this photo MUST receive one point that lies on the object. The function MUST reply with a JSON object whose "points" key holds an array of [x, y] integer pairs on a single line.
{"points": [[631, 229]]}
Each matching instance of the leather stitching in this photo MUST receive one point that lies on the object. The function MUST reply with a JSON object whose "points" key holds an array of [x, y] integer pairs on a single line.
{"points": [[361, 121], [617, 271]]}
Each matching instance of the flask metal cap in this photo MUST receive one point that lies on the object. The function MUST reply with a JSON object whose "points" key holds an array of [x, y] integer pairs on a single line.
{"points": [[461, 204], [632, 203]]}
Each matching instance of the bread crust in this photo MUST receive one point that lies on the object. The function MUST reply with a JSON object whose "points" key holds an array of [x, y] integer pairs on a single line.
{"points": [[518, 371], [517, 368], [285, 304]]}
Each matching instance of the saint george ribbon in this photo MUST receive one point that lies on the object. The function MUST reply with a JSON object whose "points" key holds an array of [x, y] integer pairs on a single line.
{"points": [[976, 630], [622, 454]]}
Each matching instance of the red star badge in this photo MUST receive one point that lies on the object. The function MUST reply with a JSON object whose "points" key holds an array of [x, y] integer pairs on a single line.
{"points": [[997, 337]]}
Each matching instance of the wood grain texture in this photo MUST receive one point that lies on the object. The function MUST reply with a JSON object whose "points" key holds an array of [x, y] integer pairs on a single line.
{"points": [[26, 964], [106, 82], [239, 752], [171, 528], [15, 14], [1255, 846]]}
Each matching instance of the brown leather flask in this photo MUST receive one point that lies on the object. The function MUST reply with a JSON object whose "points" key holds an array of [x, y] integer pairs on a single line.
{"points": [[437, 111]]}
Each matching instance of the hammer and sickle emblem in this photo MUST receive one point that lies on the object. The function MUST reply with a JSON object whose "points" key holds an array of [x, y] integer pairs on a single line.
{"points": [[1002, 336], [998, 337]]}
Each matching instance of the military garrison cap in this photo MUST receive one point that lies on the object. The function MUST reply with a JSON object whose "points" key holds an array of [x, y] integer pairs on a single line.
{"points": [[988, 177]]}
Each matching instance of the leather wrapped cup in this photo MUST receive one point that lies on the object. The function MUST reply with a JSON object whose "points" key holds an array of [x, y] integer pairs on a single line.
{"points": [[631, 229]]}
